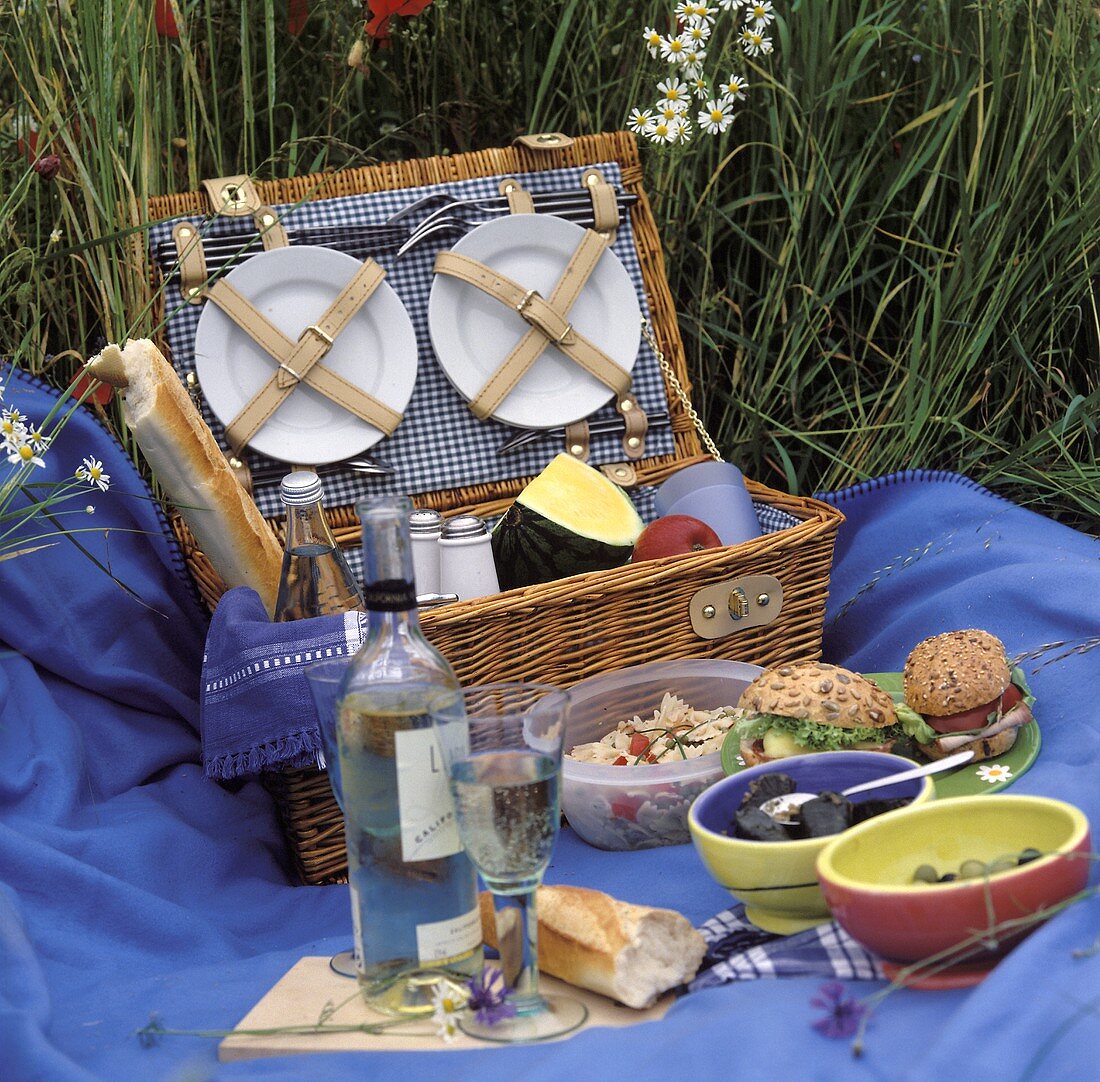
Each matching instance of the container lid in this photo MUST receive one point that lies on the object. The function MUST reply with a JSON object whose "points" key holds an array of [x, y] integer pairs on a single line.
{"points": [[425, 521], [300, 488], [463, 526]]}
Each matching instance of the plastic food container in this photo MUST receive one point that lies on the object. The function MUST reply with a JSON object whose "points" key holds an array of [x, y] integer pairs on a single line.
{"points": [[641, 807]]}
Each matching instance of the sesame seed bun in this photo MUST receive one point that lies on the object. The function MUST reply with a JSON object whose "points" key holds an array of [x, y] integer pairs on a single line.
{"points": [[955, 671], [825, 694]]}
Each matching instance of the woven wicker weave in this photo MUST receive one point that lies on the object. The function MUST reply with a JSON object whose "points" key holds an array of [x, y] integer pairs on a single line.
{"points": [[563, 631]]}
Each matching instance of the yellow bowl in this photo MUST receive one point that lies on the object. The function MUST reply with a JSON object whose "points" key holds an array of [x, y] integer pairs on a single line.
{"points": [[866, 874], [777, 880]]}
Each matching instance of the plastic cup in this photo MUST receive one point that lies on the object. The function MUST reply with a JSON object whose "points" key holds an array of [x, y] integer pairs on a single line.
{"points": [[714, 493]]}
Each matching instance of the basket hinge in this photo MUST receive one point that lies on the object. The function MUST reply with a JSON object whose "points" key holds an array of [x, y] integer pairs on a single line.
{"points": [[547, 140], [724, 607], [605, 204], [237, 197]]}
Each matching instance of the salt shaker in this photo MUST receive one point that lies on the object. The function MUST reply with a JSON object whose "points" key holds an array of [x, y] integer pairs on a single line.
{"points": [[424, 529], [466, 564]]}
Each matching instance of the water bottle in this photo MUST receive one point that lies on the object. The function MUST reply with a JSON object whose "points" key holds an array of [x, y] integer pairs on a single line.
{"points": [[315, 578]]}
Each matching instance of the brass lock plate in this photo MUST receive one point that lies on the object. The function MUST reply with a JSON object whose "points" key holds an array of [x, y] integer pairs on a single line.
{"points": [[729, 606]]}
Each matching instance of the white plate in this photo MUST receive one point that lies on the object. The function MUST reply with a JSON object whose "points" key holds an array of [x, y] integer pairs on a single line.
{"points": [[293, 287], [472, 333]]}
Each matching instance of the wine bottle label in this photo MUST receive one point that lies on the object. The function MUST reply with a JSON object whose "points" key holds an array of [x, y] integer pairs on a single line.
{"points": [[442, 940], [389, 595], [424, 801]]}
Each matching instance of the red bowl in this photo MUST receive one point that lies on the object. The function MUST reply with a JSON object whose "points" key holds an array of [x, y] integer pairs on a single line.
{"points": [[866, 875]]}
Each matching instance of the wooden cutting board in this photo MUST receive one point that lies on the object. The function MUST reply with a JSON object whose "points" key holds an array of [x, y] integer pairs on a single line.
{"points": [[310, 986]]}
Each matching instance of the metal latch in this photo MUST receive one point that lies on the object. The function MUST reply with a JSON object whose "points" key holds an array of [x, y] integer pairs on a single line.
{"points": [[725, 607]]}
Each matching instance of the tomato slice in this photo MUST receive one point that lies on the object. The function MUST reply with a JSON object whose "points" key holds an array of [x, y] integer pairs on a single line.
{"points": [[625, 807], [978, 716], [639, 744], [621, 761]]}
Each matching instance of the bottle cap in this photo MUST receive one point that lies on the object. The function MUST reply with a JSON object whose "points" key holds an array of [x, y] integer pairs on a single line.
{"points": [[300, 488], [425, 521], [463, 526]]}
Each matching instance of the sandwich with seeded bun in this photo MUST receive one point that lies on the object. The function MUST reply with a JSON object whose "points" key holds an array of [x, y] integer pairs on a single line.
{"points": [[809, 706], [961, 687]]}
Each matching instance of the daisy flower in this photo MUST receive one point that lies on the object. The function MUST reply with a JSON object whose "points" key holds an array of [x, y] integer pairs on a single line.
{"points": [[55, 236], [993, 772], [693, 61], [668, 131], [734, 88], [652, 41], [754, 43], [680, 130], [92, 472], [447, 1005], [716, 117], [673, 92], [12, 428], [23, 454], [698, 34], [699, 87], [689, 11], [668, 111], [730, 5], [760, 13], [640, 121], [673, 48], [38, 439]]}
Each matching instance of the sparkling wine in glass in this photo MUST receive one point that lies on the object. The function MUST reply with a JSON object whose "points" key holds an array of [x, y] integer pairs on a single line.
{"points": [[325, 680], [502, 747]]}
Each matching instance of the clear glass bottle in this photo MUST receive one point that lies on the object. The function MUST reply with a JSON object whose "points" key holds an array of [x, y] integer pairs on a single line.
{"points": [[414, 891], [315, 579]]}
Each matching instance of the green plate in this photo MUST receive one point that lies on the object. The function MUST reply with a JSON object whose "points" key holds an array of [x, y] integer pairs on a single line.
{"points": [[988, 776]]}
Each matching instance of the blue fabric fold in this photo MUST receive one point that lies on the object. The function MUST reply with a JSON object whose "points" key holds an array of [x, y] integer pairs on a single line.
{"points": [[131, 884], [256, 710]]}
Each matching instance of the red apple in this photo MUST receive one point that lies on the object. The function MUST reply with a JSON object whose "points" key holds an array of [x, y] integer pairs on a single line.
{"points": [[673, 535]]}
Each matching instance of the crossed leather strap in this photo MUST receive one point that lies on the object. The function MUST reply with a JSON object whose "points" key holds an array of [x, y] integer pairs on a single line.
{"points": [[549, 319], [299, 362]]}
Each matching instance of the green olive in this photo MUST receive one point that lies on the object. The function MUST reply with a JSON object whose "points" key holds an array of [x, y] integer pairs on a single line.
{"points": [[925, 874], [972, 869], [1002, 864]]}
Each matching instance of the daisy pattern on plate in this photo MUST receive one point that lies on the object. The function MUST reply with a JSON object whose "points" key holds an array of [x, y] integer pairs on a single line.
{"points": [[716, 117], [993, 772]]}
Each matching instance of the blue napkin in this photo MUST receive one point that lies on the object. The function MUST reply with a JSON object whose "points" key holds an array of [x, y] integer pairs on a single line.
{"points": [[256, 712]]}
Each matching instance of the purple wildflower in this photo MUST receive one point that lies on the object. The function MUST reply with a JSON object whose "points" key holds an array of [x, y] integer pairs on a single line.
{"points": [[489, 997], [842, 1012]]}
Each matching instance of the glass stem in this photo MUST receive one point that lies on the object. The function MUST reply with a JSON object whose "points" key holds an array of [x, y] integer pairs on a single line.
{"points": [[527, 998]]}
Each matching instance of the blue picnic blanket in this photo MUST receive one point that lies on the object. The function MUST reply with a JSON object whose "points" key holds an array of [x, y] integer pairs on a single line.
{"points": [[130, 884]]}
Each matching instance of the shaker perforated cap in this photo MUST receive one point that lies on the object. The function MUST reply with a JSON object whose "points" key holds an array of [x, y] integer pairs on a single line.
{"points": [[463, 526], [300, 487], [425, 521]]}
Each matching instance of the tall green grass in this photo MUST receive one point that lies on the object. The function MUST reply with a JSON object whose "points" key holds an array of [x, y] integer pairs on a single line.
{"points": [[890, 260]]}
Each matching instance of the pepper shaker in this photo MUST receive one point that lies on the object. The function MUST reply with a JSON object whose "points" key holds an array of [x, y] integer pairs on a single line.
{"points": [[466, 564], [424, 530]]}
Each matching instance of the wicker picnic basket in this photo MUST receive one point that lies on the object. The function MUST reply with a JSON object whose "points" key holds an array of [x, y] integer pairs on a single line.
{"points": [[573, 628]]}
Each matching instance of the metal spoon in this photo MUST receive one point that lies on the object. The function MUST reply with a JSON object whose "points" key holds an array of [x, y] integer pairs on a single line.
{"points": [[784, 809]]}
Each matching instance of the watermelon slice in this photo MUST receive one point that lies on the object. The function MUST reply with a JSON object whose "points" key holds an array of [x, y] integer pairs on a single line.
{"points": [[569, 520]]}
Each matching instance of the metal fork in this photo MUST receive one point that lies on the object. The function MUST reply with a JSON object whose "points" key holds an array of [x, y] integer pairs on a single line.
{"points": [[368, 467]]}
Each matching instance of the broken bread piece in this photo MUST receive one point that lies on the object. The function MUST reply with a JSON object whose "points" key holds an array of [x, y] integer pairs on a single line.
{"points": [[190, 467], [630, 953]]}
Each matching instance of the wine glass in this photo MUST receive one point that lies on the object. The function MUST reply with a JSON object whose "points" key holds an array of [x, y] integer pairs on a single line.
{"points": [[502, 748], [325, 681]]}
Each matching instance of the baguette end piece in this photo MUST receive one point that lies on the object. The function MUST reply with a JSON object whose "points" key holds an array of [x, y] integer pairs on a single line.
{"points": [[109, 366]]}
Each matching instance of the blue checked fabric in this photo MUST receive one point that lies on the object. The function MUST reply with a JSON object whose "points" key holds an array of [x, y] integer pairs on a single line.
{"points": [[739, 951], [439, 444]]}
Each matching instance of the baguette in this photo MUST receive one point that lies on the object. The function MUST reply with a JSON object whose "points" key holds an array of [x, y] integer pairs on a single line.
{"points": [[630, 953], [190, 467]]}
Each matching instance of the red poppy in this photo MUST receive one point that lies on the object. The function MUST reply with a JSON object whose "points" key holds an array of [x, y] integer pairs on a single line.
{"points": [[165, 19], [102, 393], [378, 27], [297, 11], [48, 166]]}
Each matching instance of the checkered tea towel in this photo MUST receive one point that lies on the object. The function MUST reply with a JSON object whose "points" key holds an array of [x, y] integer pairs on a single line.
{"points": [[739, 951]]}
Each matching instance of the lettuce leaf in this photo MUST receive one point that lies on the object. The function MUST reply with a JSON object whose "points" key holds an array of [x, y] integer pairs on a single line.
{"points": [[914, 724], [1020, 681], [810, 734]]}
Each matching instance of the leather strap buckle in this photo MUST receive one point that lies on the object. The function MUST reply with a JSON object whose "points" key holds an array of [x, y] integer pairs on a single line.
{"points": [[529, 296], [326, 338], [290, 371]]}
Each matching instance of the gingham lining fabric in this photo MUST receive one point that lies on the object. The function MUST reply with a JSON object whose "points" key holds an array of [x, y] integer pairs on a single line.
{"points": [[440, 444], [739, 951]]}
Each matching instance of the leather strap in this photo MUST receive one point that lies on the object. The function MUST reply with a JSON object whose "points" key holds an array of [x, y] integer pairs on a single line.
{"points": [[192, 261], [299, 361], [577, 440], [271, 230], [605, 205], [635, 425], [548, 318], [519, 198]]}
